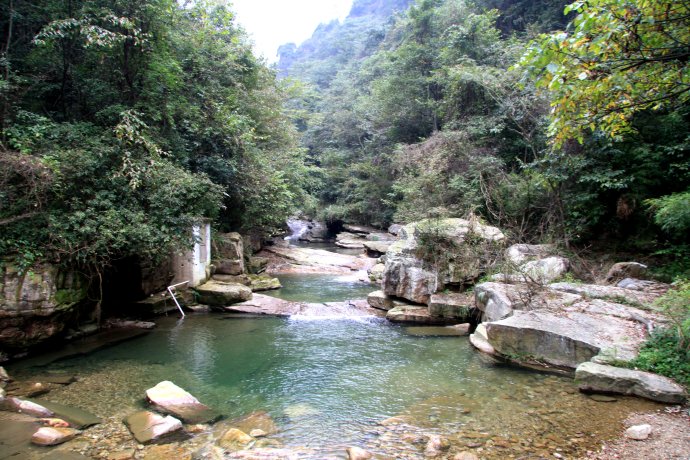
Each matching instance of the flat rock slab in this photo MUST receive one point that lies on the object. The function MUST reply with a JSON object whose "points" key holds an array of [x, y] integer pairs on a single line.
{"points": [[611, 293], [171, 399], [435, 331], [50, 436], [78, 418], [25, 407], [305, 260], [564, 340], [592, 377], [219, 294], [415, 314], [147, 427], [454, 305], [262, 304]]}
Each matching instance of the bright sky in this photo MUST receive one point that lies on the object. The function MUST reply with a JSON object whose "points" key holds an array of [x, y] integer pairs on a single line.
{"points": [[271, 23]]}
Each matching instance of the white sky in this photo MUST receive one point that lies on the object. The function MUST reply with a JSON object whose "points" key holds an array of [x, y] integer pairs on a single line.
{"points": [[271, 23]]}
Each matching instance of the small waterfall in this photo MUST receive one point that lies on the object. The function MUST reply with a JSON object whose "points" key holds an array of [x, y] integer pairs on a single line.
{"points": [[297, 228], [348, 310]]}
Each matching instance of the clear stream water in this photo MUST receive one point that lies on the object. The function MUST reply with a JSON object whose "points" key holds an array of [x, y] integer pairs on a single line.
{"points": [[328, 383]]}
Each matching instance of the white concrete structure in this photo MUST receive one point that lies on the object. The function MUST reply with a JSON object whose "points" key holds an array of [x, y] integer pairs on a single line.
{"points": [[192, 265]]}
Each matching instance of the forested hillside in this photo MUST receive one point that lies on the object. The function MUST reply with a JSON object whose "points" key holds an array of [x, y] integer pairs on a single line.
{"points": [[124, 122], [456, 108]]}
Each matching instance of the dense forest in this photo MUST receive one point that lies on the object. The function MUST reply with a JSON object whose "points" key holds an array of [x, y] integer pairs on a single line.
{"points": [[486, 108], [124, 122]]}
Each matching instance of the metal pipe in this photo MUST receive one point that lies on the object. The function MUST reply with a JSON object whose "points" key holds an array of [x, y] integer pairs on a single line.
{"points": [[170, 290]]}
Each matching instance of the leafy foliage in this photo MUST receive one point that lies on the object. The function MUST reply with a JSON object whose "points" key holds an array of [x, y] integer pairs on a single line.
{"points": [[620, 58], [123, 123]]}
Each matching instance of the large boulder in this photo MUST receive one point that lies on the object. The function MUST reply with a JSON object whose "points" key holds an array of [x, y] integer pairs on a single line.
{"points": [[147, 427], [36, 304], [540, 271], [436, 253], [377, 248], [592, 377], [171, 399], [564, 339], [518, 254], [497, 301], [623, 270], [228, 254], [219, 294], [381, 301]]}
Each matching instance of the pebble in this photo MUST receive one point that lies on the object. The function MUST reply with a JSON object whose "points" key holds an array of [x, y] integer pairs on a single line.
{"points": [[639, 432]]}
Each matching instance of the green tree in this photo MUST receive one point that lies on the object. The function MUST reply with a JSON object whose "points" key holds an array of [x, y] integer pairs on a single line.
{"points": [[620, 58]]}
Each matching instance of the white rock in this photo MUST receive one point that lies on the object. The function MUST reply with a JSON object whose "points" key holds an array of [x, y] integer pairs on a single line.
{"points": [[357, 453], [49, 436], [639, 432]]}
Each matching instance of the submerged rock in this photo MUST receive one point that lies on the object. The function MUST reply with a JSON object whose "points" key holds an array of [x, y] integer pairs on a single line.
{"points": [[25, 407], [234, 439], [78, 418], [148, 427], [259, 420], [609, 379], [171, 399], [50, 436], [220, 294]]}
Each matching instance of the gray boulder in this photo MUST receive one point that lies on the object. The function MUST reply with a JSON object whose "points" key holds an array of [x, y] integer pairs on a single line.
{"points": [[592, 377], [497, 301], [377, 248], [518, 254], [538, 271], [564, 339], [434, 254], [219, 294], [623, 270], [228, 254], [171, 399], [381, 301]]}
